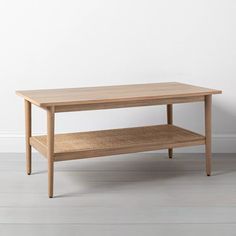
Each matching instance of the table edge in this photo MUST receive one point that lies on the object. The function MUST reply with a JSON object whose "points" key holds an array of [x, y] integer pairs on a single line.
{"points": [[130, 99]]}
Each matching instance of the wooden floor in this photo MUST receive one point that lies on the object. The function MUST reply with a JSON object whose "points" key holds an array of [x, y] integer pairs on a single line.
{"points": [[138, 194]]}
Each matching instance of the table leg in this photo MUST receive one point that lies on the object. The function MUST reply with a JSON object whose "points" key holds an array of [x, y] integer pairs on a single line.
{"points": [[208, 115], [28, 133], [170, 122], [50, 148]]}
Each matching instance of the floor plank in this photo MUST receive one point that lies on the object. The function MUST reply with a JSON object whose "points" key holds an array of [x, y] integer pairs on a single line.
{"points": [[119, 215], [118, 230]]}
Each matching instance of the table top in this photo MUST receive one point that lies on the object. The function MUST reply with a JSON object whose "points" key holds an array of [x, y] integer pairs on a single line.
{"points": [[118, 93]]}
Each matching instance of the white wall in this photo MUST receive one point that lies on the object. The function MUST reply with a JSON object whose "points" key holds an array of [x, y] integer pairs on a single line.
{"points": [[53, 43]]}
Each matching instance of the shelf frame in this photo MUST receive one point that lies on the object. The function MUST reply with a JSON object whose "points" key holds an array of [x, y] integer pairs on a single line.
{"points": [[117, 141]]}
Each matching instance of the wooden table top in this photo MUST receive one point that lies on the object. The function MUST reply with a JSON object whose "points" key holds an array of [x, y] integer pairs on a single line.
{"points": [[118, 93]]}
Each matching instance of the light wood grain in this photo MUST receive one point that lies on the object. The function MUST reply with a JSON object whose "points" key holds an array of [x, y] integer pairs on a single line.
{"points": [[137, 103], [120, 141], [117, 141], [108, 94], [50, 149], [170, 122], [208, 114], [28, 133]]}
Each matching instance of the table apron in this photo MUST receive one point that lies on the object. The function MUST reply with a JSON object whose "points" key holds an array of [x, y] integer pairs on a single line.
{"points": [[124, 104]]}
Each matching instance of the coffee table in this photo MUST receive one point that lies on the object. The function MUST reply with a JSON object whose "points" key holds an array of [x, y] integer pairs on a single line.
{"points": [[63, 147]]}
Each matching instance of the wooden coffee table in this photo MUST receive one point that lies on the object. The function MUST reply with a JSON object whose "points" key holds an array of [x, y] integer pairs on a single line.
{"points": [[62, 147]]}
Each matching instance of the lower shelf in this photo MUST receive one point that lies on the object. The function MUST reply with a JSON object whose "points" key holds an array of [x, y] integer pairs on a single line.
{"points": [[117, 141]]}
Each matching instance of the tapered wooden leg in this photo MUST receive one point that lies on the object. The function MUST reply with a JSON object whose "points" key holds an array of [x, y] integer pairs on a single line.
{"points": [[50, 149], [28, 133], [208, 114], [170, 122]]}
